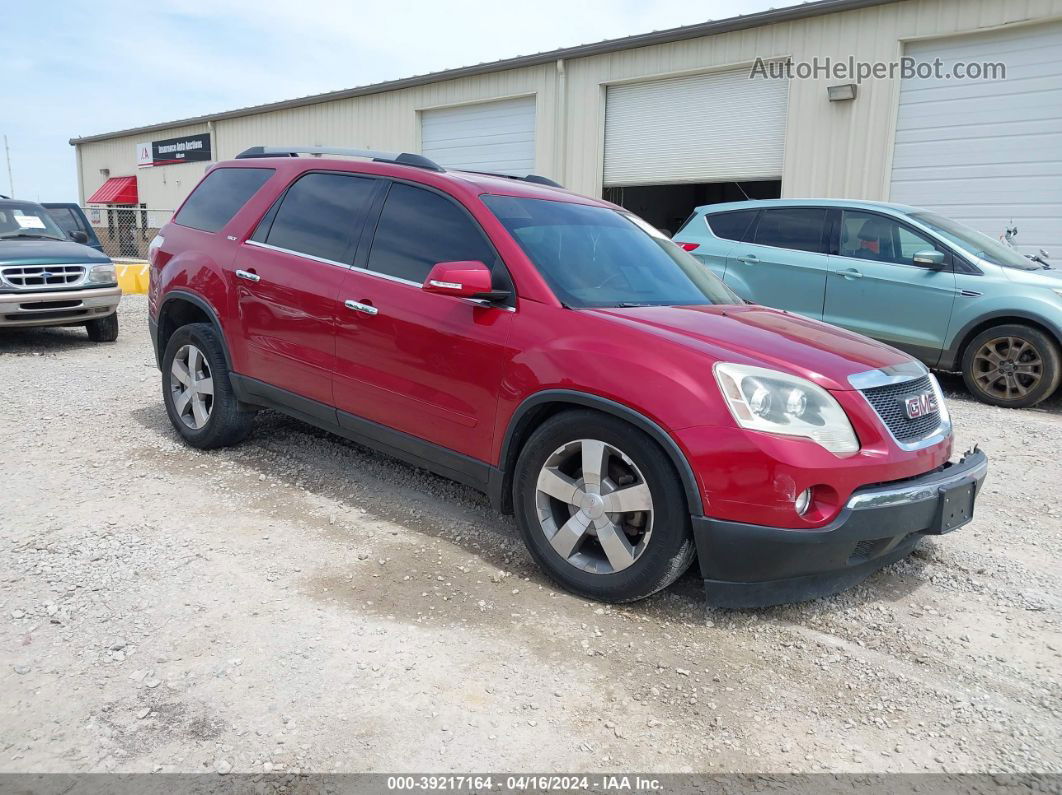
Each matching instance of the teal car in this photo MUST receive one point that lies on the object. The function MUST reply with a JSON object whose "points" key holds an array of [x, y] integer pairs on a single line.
{"points": [[951, 296]]}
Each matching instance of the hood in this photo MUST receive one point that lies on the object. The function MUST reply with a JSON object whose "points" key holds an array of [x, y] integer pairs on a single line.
{"points": [[1038, 278], [819, 352], [47, 252]]}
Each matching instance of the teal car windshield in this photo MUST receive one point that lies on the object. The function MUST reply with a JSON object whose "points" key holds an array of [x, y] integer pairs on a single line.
{"points": [[596, 257], [27, 220], [976, 243]]}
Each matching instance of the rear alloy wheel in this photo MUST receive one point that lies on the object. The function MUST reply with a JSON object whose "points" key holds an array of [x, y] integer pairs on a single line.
{"points": [[197, 391], [1013, 366], [601, 508]]}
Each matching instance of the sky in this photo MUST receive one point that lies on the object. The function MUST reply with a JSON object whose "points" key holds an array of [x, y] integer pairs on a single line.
{"points": [[75, 68]]}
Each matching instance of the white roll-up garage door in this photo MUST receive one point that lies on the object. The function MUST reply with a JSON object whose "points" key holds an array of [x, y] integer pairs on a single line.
{"points": [[489, 136], [713, 127], [987, 152]]}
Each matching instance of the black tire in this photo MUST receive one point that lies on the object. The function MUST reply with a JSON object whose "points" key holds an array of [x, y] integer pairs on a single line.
{"points": [[669, 550], [229, 420], [104, 329], [1023, 390]]}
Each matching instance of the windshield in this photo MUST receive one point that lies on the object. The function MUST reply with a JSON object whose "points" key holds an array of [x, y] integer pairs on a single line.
{"points": [[25, 219], [976, 243], [597, 257]]}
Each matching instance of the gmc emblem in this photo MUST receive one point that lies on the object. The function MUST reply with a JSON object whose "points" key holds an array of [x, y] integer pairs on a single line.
{"points": [[920, 405]]}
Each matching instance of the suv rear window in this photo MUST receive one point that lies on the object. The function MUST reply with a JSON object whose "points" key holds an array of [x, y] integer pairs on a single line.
{"points": [[220, 196], [732, 225], [797, 228]]}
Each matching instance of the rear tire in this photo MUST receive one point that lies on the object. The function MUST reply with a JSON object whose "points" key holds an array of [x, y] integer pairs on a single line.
{"points": [[104, 329], [1011, 365], [619, 535], [197, 392]]}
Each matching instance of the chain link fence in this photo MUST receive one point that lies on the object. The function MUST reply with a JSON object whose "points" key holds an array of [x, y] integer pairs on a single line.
{"points": [[125, 232]]}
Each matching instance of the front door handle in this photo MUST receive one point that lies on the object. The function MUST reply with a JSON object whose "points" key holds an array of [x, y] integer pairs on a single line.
{"points": [[251, 277], [357, 306], [850, 273], [749, 259]]}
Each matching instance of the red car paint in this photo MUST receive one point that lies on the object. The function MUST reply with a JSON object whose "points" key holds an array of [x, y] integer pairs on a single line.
{"points": [[453, 373]]}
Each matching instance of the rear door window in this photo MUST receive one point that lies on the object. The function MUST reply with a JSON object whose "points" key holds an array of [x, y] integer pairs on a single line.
{"points": [[796, 228], [731, 225], [220, 196], [419, 228], [321, 215]]}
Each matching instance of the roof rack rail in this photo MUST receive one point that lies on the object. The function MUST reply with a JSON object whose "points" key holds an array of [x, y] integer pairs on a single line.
{"points": [[398, 158], [538, 179]]}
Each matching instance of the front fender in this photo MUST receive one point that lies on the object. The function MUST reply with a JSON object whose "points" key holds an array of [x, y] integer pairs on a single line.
{"points": [[1033, 306]]}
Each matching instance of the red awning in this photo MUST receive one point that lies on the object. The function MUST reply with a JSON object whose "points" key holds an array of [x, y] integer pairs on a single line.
{"points": [[116, 190]]}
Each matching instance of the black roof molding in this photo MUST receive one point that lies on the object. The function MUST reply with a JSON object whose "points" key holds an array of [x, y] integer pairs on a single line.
{"points": [[399, 158], [710, 28]]}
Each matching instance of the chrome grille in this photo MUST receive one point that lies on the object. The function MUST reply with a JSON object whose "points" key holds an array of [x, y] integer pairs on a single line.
{"points": [[888, 402], [30, 276]]}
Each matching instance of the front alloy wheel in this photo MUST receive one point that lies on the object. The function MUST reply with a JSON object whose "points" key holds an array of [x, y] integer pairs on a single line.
{"points": [[1011, 365], [601, 507], [594, 506]]}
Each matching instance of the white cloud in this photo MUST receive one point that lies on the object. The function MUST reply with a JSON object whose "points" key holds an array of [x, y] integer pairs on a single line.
{"points": [[85, 68]]}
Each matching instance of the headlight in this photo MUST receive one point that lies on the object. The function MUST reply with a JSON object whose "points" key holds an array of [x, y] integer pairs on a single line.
{"points": [[101, 274], [775, 402]]}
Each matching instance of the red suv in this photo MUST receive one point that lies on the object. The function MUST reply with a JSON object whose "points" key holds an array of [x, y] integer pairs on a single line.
{"points": [[561, 355]]}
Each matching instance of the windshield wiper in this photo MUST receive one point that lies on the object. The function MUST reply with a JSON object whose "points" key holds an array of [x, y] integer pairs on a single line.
{"points": [[27, 236], [632, 305]]}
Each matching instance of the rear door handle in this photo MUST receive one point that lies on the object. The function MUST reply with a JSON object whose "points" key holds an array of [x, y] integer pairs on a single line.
{"points": [[251, 277], [357, 306], [850, 273]]}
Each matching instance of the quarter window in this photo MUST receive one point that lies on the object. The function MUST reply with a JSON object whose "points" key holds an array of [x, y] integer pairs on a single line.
{"points": [[321, 215], [798, 228], [419, 228], [220, 196], [880, 239], [732, 225]]}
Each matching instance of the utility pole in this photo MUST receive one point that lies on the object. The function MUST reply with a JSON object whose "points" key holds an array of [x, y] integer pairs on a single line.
{"points": [[10, 179]]}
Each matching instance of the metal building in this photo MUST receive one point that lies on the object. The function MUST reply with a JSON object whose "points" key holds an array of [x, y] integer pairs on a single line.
{"points": [[668, 120]]}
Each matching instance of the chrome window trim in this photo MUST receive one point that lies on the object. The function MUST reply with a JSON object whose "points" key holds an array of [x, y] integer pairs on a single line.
{"points": [[367, 272], [302, 254]]}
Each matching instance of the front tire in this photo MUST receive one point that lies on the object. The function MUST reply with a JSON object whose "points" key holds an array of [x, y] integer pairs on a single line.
{"points": [[104, 329], [1011, 365], [197, 392], [601, 508]]}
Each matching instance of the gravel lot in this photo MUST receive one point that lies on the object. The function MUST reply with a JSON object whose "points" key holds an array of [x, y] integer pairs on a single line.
{"points": [[299, 602]]}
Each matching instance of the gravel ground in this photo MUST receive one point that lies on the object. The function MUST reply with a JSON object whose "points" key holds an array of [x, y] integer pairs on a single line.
{"points": [[299, 602]]}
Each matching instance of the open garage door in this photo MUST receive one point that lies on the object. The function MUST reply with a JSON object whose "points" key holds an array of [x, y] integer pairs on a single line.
{"points": [[716, 127], [488, 136], [987, 152]]}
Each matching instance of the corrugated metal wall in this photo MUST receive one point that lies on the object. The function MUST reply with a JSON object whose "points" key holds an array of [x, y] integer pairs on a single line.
{"points": [[831, 149]]}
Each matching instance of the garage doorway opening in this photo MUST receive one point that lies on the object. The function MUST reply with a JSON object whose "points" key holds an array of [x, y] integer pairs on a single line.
{"points": [[668, 206]]}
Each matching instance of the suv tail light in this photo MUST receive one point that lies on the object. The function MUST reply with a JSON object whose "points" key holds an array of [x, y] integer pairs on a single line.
{"points": [[687, 246]]}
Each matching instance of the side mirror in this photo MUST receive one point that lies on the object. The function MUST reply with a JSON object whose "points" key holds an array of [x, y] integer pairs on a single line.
{"points": [[930, 258], [467, 279], [78, 236]]}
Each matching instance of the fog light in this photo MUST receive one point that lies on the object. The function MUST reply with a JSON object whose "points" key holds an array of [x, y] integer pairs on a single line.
{"points": [[803, 502]]}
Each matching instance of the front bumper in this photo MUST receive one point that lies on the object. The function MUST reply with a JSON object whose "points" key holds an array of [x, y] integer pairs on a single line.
{"points": [[746, 565], [57, 307]]}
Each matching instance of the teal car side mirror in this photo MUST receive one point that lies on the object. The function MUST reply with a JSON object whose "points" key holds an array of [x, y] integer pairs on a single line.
{"points": [[930, 258]]}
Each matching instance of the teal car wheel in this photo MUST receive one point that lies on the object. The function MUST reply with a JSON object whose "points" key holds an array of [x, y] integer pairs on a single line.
{"points": [[1012, 366]]}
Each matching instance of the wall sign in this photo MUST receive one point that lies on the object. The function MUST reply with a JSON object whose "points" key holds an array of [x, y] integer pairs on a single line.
{"points": [[186, 149]]}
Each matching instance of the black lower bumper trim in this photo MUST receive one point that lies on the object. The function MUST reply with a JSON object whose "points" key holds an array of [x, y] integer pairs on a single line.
{"points": [[746, 565]]}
